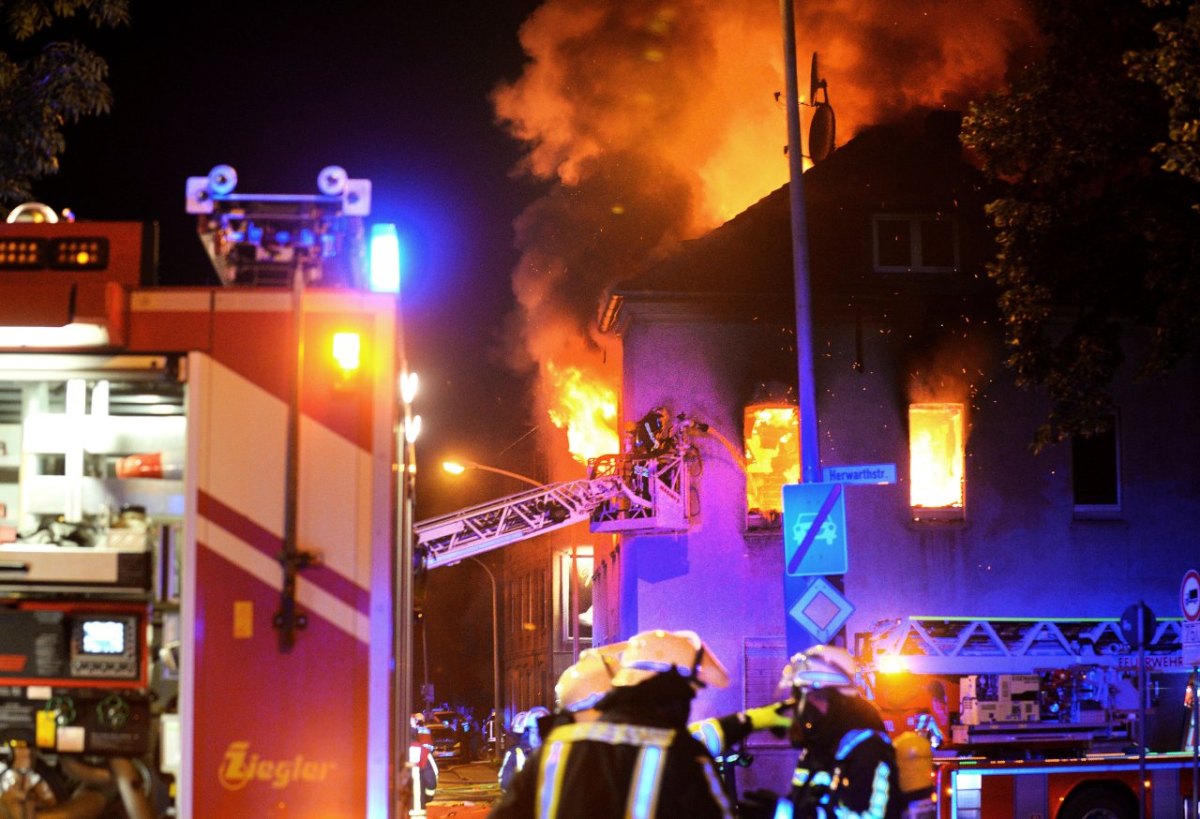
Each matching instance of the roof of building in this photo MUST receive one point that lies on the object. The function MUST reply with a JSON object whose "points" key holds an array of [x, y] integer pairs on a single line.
{"points": [[903, 167]]}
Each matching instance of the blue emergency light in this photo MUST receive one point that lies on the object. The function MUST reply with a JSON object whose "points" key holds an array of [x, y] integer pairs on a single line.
{"points": [[384, 276]]}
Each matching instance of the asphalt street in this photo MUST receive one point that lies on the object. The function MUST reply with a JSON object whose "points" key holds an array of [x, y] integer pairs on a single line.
{"points": [[465, 791]]}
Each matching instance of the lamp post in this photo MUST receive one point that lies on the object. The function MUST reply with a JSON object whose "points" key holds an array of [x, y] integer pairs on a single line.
{"points": [[408, 427], [459, 467], [496, 733]]}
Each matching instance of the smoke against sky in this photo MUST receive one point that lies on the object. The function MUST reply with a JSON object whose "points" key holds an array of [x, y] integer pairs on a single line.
{"points": [[653, 123]]}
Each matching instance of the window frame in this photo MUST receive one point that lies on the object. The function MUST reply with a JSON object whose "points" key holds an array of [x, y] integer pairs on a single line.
{"points": [[948, 513], [563, 603], [915, 254], [1099, 511]]}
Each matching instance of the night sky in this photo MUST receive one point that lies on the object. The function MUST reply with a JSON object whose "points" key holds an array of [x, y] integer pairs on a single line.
{"points": [[396, 93]]}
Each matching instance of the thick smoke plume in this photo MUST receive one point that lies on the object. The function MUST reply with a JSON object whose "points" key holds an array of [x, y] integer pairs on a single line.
{"points": [[654, 122]]}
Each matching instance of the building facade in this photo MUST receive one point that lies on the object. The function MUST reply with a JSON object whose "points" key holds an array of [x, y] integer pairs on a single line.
{"points": [[908, 373]]}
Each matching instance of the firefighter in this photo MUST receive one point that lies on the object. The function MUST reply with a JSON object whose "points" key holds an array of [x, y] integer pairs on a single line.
{"points": [[581, 687], [525, 726], [427, 767], [847, 765], [638, 755]]}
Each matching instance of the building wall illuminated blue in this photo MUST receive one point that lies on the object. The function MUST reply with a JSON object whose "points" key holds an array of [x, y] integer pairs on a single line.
{"points": [[700, 333]]}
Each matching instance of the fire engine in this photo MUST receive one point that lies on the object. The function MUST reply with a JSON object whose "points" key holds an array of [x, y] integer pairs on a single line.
{"points": [[202, 534], [197, 513], [1037, 717]]}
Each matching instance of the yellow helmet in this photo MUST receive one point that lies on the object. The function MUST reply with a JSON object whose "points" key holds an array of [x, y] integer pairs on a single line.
{"points": [[820, 667], [658, 651], [584, 684]]}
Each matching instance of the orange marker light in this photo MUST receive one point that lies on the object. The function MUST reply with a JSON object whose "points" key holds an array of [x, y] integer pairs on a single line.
{"points": [[347, 351]]}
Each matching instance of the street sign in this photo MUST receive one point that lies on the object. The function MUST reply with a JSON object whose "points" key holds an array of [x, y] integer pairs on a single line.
{"points": [[879, 474], [820, 609], [814, 529], [1189, 596], [1136, 622], [1190, 632]]}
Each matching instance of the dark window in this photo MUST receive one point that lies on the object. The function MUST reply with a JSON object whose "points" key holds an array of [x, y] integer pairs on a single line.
{"points": [[923, 243], [894, 242], [1095, 471], [937, 243]]}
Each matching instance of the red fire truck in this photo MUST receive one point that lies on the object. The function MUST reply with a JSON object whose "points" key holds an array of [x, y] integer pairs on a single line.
{"points": [[1039, 718], [197, 500]]}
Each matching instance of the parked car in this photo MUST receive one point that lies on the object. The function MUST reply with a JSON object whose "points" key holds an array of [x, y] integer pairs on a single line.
{"points": [[449, 744]]}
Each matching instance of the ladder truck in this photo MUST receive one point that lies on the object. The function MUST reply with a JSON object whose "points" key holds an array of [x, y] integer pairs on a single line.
{"points": [[1042, 718]]}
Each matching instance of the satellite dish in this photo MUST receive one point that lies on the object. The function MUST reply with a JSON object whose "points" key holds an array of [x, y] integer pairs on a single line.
{"points": [[822, 131]]}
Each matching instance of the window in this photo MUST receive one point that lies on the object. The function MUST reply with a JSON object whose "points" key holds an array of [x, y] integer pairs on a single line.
{"points": [[923, 243], [575, 570], [1095, 473], [772, 439], [936, 451]]}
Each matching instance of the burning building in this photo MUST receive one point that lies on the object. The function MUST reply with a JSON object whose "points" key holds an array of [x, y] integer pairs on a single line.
{"points": [[909, 375]]}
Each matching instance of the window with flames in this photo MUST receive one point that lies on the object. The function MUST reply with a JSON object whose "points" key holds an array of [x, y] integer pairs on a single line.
{"points": [[937, 458], [772, 441]]}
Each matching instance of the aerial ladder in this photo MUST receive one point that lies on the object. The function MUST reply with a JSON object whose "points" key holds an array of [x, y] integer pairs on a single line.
{"points": [[645, 491]]}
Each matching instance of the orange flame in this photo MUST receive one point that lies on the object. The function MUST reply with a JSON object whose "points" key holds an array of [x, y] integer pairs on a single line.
{"points": [[586, 410], [656, 123], [772, 456], [936, 447]]}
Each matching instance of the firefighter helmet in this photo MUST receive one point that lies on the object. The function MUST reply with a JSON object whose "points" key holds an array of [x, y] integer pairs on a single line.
{"points": [[658, 651], [584, 684], [820, 667], [526, 720]]}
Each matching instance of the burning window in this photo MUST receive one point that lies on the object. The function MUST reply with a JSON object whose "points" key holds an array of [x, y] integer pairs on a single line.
{"points": [[772, 436], [1095, 473], [924, 243], [936, 451]]}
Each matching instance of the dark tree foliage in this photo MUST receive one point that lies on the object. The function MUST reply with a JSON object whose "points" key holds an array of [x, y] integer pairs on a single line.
{"points": [[46, 83], [1098, 243]]}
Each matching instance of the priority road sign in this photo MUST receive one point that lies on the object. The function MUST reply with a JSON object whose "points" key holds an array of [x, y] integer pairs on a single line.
{"points": [[814, 529], [820, 609]]}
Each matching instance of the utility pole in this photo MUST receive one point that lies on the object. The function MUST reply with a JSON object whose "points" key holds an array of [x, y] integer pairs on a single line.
{"points": [[810, 454]]}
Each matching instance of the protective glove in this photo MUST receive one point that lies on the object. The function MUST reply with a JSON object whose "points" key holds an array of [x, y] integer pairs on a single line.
{"points": [[769, 716]]}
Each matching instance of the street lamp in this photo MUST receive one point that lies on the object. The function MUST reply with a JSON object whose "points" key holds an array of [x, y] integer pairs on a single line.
{"points": [[459, 467]]}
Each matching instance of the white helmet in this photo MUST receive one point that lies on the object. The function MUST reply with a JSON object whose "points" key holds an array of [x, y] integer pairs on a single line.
{"points": [[820, 667], [584, 684], [525, 720], [656, 652]]}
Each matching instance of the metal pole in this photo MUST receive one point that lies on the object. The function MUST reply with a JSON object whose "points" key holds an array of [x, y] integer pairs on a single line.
{"points": [[505, 472], [810, 454], [1141, 627], [495, 661], [1193, 737], [403, 583], [574, 593]]}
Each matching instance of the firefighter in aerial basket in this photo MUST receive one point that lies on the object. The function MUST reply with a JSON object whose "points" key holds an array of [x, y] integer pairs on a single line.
{"points": [[847, 764], [638, 758]]}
